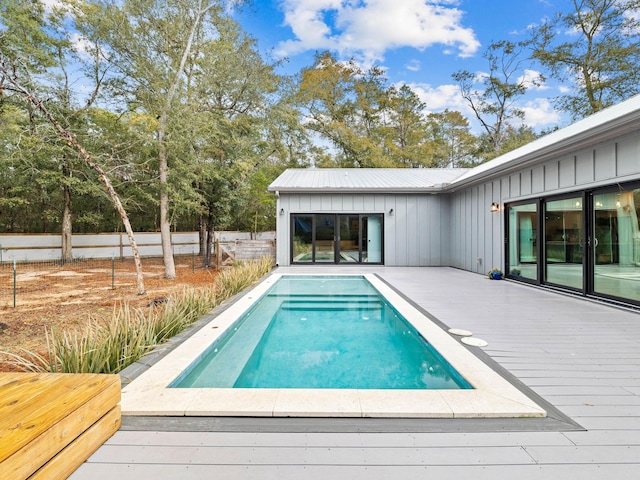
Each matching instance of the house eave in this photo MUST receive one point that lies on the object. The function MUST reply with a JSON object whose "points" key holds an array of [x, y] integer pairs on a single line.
{"points": [[610, 123], [325, 190]]}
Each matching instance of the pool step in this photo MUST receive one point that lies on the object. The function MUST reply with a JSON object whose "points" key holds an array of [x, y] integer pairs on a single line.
{"points": [[324, 304]]}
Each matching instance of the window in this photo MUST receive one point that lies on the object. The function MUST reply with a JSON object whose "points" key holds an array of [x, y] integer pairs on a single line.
{"points": [[587, 242]]}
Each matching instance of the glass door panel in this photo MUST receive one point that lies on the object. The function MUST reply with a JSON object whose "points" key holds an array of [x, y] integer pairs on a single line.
{"points": [[372, 239], [302, 249], [564, 242], [336, 238], [349, 239], [325, 239], [616, 244], [522, 255]]}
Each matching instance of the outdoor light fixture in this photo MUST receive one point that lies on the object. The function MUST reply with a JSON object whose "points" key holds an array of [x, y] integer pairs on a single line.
{"points": [[282, 211], [391, 212], [495, 207]]}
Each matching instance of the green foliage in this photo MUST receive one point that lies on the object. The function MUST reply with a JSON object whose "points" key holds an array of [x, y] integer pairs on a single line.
{"points": [[452, 143], [111, 346], [180, 83], [368, 122], [219, 127], [598, 58]]}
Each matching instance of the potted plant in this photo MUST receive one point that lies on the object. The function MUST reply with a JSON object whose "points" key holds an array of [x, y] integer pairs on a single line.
{"points": [[495, 274]]}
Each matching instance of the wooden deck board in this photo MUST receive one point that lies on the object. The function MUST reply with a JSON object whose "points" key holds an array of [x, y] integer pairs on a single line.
{"points": [[41, 414], [581, 356], [68, 459]]}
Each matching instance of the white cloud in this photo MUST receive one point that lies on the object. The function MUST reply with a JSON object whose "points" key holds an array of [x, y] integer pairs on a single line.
{"points": [[51, 4], [539, 113], [440, 98], [368, 29], [413, 66]]}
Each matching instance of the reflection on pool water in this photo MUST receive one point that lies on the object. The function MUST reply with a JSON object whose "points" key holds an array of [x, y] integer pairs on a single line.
{"points": [[322, 332]]}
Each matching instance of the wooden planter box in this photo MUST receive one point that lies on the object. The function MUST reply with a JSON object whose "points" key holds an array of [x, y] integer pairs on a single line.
{"points": [[51, 423]]}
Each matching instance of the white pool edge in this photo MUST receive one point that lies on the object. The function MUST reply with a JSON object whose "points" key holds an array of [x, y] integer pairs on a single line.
{"points": [[492, 395]]}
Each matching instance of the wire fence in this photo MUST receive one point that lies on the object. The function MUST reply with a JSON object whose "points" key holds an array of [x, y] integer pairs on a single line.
{"points": [[28, 282]]}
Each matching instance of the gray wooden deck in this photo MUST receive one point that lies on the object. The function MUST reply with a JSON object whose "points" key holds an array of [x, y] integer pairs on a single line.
{"points": [[582, 357]]}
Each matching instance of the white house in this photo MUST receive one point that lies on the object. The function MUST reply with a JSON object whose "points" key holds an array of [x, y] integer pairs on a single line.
{"points": [[559, 212]]}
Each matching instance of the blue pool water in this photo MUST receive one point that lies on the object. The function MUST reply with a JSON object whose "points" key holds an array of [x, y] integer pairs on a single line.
{"points": [[321, 332]]}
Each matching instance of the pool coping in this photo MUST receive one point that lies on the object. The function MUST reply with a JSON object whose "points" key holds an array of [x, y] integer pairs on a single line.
{"points": [[493, 396]]}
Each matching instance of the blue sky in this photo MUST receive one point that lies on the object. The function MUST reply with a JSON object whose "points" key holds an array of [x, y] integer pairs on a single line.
{"points": [[417, 42]]}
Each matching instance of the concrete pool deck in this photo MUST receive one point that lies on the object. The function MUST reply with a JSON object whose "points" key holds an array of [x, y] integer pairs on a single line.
{"points": [[492, 396]]}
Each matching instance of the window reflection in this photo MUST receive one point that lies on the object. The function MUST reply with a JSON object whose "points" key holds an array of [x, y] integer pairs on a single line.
{"points": [[302, 238], [325, 238], [564, 241], [523, 256], [349, 238], [616, 252]]}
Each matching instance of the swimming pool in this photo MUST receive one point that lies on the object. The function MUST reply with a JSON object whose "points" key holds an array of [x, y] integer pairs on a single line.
{"points": [[322, 332], [491, 395]]}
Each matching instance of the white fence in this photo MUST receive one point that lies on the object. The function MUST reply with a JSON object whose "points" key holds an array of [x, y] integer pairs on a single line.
{"points": [[34, 247]]}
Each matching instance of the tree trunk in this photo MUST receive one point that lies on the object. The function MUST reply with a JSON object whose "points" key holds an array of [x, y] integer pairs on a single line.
{"points": [[202, 238], [67, 253], [210, 235], [165, 225], [202, 227], [72, 141]]}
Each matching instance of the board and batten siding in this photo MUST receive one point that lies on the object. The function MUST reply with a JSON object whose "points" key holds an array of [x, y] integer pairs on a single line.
{"points": [[477, 234], [415, 234]]}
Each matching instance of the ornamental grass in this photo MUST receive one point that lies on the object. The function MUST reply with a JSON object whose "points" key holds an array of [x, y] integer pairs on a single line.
{"points": [[112, 345]]}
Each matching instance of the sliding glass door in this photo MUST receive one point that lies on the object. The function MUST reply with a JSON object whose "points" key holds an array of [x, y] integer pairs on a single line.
{"points": [[372, 239], [589, 242], [616, 244], [522, 256], [337, 238], [302, 242], [325, 238], [563, 242]]}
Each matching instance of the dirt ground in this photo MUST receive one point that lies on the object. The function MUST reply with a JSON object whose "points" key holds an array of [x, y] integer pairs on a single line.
{"points": [[66, 296]]}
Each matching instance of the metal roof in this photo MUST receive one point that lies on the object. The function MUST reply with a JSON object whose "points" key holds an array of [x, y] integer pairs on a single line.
{"points": [[365, 179]]}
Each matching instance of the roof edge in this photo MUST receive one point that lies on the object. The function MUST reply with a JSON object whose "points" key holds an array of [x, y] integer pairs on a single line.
{"points": [[607, 123]]}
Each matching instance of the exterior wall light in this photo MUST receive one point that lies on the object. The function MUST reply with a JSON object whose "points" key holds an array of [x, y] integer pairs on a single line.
{"points": [[391, 211], [282, 211], [495, 207]]}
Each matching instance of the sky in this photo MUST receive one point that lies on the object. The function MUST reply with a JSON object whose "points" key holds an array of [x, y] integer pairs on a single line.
{"points": [[417, 42]]}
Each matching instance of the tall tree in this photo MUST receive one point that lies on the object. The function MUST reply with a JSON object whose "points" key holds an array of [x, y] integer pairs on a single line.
{"points": [[595, 48], [31, 61], [453, 144], [344, 104], [234, 89], [406, 129], [493, 95], [150, 44], [368, 122]]}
